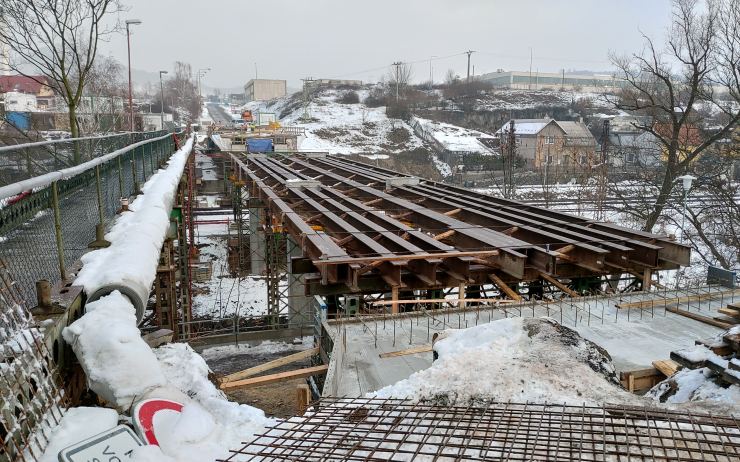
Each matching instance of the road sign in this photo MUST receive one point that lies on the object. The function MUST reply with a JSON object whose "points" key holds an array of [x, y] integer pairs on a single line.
{"points": [[143, 416], [114, 445]]}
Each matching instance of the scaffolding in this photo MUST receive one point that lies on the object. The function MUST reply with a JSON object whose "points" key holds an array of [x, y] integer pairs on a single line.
{"points": [[370, 429]]}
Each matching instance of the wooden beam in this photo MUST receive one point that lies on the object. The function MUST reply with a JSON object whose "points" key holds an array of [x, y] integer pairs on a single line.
{"points": [[273, 378], [270, 365], [667, 367], [417, 256], [303, 398], [444, 235], [394, 297], [698, 317], [511, 293], [559, 285], [408, 351], [452, 301], [452, 212]]}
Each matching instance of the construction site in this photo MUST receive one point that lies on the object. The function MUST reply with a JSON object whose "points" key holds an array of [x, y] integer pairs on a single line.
{"points": [[430, 322], [419, 231]]}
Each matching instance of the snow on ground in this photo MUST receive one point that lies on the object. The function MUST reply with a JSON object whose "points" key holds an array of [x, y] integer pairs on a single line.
{"points": [[266, 347], [517, 359], [207, 166], [527, 99], [224, 295], [452, 137]]}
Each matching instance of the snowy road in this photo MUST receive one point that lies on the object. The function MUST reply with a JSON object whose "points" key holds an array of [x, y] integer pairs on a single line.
{"points": [[218, 114]]}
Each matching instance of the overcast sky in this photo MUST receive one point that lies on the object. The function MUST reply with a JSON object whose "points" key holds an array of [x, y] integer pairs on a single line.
{"points": [[291, 39]]}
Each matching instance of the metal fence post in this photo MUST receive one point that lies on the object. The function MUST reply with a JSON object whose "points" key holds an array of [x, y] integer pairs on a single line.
{"points": [[120, 177], [133, 171], [58, 230], [99, 241], [151, 157]]}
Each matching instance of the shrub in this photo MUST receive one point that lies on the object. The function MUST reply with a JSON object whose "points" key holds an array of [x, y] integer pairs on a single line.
{"points": [[350, 97]]}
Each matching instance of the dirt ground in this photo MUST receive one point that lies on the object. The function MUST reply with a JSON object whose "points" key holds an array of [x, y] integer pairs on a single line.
{"points": [[277, 399]]}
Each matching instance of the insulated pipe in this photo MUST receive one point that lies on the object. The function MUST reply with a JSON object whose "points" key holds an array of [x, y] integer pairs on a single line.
{"points": [[129, 264]]}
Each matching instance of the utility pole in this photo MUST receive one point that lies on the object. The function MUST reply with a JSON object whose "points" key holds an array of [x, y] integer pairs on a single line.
{"points": [[398, 66], [509, 153], [130, 22], [604, 160], [431, 73], [530, 69], [469, 52], [161, 98], [306, 84]]}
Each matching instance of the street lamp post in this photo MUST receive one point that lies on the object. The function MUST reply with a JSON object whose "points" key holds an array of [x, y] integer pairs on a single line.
{"points": [[130, 22], [686, 181], [161, 96]]}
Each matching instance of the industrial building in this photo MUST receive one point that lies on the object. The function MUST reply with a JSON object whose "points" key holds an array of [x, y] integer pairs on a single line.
{"points": [[264, 89], [527, 80]]}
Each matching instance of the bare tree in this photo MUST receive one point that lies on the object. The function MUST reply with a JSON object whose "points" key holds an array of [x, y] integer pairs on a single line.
{"points": [[58, 40], [399, 78], [105, 87], [451, 78], [184, 92], [697, 68]]}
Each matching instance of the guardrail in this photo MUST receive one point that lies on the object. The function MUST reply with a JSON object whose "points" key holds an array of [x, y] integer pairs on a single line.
{"points": [[49, 221]]}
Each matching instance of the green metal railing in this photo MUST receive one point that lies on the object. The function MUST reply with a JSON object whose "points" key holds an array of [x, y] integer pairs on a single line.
{"points": [[61, 215]]}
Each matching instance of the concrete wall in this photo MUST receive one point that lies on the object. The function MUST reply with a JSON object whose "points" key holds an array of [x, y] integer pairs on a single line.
{"points": [[264, 89]]}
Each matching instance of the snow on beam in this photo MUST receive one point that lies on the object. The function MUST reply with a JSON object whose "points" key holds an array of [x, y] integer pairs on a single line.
{"points": [[395, 182], [129, 264]]}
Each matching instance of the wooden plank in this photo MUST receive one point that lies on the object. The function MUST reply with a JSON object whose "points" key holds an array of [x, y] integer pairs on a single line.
{"points": [[408, 351], [640, 380], [666, 367], [418, 256], [511, 293], [675, 300], [700, 318], [303, 398], [730, 312], [270, 365], [451, 301], [158, 337], [444, 235], [718, 348], [559, 285], [273, 378]]}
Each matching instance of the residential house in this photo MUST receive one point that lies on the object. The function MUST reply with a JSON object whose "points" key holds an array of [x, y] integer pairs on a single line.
{"points": [[568, 146], [31, 86]]}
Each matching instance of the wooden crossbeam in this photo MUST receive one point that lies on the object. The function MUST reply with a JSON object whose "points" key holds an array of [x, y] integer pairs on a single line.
{"points": [[444, 235], [559, 285], [418, 256], [408, 351], [511, 293], [273, 378], [270, 365], [452, 212], [454, 301], [698, 317]]}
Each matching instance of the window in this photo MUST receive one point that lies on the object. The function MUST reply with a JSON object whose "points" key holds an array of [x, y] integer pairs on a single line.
{"points": [[629, 158], [583, 159], [549, 140], [549, 159]]}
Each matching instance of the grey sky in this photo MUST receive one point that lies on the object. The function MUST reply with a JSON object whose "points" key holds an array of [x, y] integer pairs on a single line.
{"points": [[291, 39]]}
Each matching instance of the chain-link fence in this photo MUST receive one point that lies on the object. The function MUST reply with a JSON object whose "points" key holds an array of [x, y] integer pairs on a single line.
{"points": [[28, 160], [44, 230]]}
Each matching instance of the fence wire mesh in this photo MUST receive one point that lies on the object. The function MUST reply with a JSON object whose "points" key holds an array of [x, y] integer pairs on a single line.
{"points": [[28, 226]]}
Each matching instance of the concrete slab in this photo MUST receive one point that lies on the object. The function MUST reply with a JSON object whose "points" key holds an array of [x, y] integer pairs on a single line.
{"points": [[634, 337]]}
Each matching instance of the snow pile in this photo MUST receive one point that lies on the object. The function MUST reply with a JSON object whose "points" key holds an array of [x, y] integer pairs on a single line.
{"points": [[118, 364], [517, 359], [210, 424], [697, 386], [78, 423], [130, 263], [122, 369], [451, 137]]}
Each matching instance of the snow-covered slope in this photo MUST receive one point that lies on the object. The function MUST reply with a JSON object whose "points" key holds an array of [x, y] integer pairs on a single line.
{"points": [[452, 137]]}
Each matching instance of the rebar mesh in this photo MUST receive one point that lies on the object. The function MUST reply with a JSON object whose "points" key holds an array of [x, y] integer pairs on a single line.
{"points": [[367, 429], [30, 401]]}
